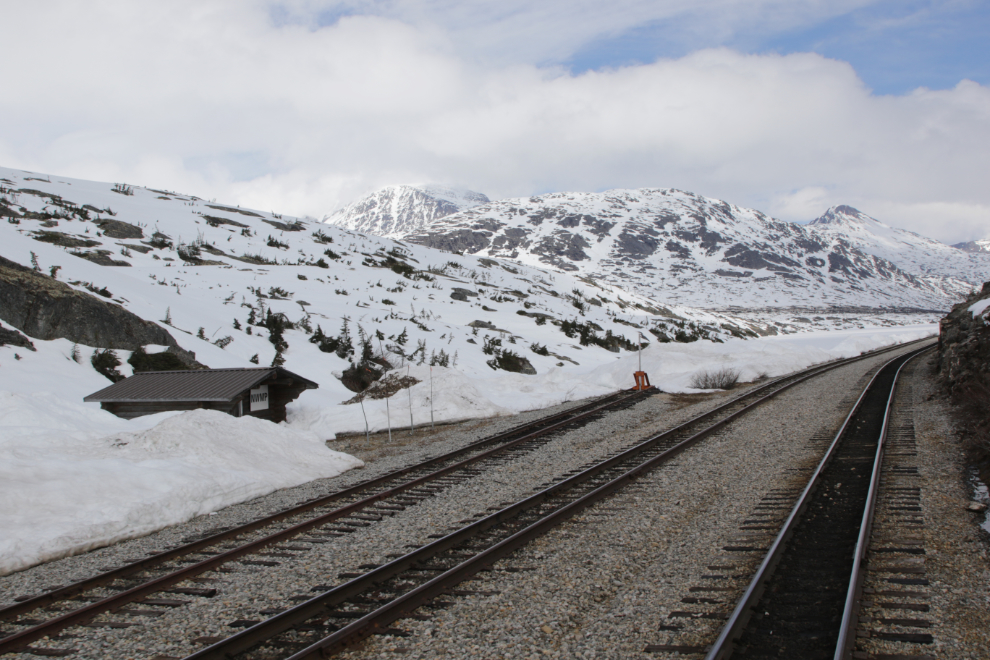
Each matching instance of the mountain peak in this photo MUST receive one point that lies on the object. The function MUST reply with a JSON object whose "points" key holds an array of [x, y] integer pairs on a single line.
{"points": [[395, 211], [842, 215]]}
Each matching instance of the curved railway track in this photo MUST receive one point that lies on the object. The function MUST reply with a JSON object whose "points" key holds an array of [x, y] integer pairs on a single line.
{"points": [[803, 600], [334, 514], [367, 604]]}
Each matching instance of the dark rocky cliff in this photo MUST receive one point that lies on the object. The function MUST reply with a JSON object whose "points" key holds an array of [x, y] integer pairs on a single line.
{"points": [[964, 369], [964, 345], [44, 308]]}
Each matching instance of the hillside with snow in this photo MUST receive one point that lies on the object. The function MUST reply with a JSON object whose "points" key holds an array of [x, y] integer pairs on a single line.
{"points": [[689, 250], [395, 211], [912, 252], [233, 287]]}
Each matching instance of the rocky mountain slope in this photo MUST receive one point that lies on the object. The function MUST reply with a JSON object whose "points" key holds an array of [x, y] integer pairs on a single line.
{"points": [[912, 252], [982, 245], [234, 286], [396, 211], [690, 250]]}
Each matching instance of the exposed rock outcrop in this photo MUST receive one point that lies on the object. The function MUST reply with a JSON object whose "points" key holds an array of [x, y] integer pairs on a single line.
{"points": [[44, 308], [964, 368], [964, 344], [10, 337], [119, 229]]}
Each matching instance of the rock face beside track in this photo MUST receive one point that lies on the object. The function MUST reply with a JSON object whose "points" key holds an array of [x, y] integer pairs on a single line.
{"points": [[964, 370], [964, 344]]}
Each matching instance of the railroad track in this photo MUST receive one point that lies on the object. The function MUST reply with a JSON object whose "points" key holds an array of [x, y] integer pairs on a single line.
{"points": [[804, 598], [322, 518], [366, 604]]}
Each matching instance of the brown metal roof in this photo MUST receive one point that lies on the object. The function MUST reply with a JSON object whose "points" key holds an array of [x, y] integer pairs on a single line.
{"points": [[190, 385]]}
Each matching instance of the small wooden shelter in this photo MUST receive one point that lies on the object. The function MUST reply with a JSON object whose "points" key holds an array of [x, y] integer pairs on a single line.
{"points": [[259, 392]]}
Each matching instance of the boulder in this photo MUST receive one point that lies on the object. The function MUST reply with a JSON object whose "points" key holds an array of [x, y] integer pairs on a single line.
{"points": [[44, 308]]}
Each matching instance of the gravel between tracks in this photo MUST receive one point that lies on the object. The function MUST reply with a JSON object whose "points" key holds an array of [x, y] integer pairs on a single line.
{"points": [[599, 587], [603, 586]]}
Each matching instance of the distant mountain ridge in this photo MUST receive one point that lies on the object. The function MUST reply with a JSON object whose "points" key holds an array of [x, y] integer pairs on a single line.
{"points": [[703, 252], [912, 252], [982, 245], [395, 211]]}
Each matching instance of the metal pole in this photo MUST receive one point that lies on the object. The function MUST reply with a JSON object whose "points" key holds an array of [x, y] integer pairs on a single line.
{"points": [[367, 433], [388, 412], [431, 397], [640, 350], [409, 391]]}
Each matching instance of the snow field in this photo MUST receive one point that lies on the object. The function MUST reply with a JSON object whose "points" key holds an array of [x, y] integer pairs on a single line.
{"points": [[74, 477]]}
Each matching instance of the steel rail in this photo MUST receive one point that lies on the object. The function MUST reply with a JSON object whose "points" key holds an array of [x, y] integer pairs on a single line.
{"points": [[20, 639], [402, 605], [850, 611], [723, 647]]}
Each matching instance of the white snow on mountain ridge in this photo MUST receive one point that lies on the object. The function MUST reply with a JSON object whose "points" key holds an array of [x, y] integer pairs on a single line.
{"points": [[981, 245], [399, 210], [688, 249], [912, 252]]}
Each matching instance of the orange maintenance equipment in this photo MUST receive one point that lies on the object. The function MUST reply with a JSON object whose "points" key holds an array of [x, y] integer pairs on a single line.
{"points": [[642, 381]]}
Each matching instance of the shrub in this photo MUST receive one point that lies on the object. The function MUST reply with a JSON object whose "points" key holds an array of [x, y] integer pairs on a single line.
{"points": [[323, 342], [510, 361], [491, 345], [106, 362], [188, 252], [160, 241], [539, 349], [723, 379]]}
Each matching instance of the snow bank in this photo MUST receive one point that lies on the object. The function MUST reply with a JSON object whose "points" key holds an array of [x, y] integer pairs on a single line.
{"points": [[979, 307], [64, 489], [457, 396], [74, 477]]}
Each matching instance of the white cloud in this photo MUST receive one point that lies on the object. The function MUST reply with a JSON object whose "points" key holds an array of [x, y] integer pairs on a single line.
{"points": [[220, 102]]}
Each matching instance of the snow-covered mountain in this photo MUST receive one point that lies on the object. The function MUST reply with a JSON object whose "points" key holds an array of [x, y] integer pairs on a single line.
{"points": [[395, 211], [688, 249], [210, 273], [982, 245], [912, 252]]}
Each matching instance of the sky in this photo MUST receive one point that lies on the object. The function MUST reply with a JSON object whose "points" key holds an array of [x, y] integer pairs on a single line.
{"points": [[302, 106]]}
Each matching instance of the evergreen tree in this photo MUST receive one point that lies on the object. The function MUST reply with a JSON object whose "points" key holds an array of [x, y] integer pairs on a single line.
{"points": [[345, 346]]}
